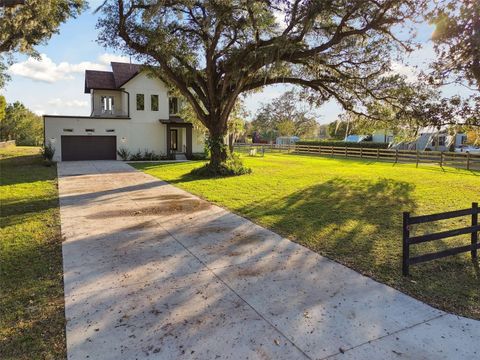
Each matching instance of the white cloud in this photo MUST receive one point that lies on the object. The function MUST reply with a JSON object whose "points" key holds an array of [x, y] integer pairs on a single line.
{"points": [[106, 59], [57, 102], [410, 72], [39, 112], [45, 70]]}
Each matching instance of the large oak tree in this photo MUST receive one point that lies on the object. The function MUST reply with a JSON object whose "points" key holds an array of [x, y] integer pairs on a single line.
{"points": [[212, 51]]}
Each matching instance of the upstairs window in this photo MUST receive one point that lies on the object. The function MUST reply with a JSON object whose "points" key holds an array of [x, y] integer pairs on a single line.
{"points": [[107, 104], [140, 102], [173, 105], [154, 102]]}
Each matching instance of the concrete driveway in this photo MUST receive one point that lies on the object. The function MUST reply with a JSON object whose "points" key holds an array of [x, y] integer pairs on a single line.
{"points": [[153, 272]]}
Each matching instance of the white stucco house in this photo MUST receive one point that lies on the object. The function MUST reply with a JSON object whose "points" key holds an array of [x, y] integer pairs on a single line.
{"points": [[129, 110]]}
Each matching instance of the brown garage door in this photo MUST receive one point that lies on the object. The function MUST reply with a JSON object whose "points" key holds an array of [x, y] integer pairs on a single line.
{"points": [[89, 148]]}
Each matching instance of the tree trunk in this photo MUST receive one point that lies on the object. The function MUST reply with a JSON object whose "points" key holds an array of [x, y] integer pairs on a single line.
{"points": [[231, 141], [218, 149]]}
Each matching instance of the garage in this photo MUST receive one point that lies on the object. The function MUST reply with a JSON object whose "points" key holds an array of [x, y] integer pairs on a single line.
{"points": [[89, 148]]}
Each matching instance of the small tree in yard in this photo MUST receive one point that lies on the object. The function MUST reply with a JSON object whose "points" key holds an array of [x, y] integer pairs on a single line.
{"points": [[236, 123], [213, 51], [285, 117]]}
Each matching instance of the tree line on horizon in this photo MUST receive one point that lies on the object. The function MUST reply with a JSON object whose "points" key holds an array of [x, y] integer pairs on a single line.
{"points": [[19, 123]]}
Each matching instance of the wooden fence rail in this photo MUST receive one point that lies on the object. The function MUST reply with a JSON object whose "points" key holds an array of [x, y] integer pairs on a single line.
{"points": [[408, 221], [443, 158]]}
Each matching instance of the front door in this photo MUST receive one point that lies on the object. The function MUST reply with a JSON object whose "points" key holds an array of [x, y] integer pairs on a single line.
{"points": [[173, 139]]}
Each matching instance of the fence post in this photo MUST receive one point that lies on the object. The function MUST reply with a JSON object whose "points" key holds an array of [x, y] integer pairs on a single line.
{"points": [[332, 150], [346, 151], [441, 159], [474, 233], [396, 156], [378, 153], [361, 152], [418, 157], [406, 248], [468, 161]]}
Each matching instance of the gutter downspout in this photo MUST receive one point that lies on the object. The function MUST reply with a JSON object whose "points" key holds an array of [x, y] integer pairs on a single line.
{"points": [[92, 100], [128, 102], [44, 132]]}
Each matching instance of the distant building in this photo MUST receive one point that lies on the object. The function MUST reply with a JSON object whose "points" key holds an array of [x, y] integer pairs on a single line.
{"points": [[433, 140], [429, 139], [287, 140], [356, 138], [382, 136]]}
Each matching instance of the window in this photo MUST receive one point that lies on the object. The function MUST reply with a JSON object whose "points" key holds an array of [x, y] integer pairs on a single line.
{"points": [[140, 102], [173, 105], [107, 104], [154, 102], [441, 141]]}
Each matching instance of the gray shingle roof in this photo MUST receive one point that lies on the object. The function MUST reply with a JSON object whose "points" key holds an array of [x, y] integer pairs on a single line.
{"points": [[110, 80], [122, 72]]}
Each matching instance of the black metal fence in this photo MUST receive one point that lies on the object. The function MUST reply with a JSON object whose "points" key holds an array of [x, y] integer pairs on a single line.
{"points": [[408, 221]]}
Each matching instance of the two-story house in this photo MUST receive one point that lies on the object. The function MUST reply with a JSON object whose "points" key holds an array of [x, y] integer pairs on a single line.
{"points": [[130, 110]]}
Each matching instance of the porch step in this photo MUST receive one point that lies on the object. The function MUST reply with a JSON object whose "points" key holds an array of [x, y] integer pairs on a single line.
{"points": [[180, 157]]}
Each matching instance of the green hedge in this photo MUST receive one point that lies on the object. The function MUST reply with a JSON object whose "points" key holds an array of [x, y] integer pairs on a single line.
{"points": [[366, 144]]}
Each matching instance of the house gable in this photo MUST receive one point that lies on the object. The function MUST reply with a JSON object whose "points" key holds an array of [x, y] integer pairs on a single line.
{"points": [[147, 86]]}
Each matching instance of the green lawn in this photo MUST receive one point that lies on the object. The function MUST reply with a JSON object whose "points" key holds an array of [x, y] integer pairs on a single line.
{"points": [[32, 318], [351, 211]]}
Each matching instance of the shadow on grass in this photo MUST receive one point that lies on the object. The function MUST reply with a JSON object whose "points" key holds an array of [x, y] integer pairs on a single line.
{"points": [[32, 311], [25, 169], [359, 224], [339, 216], [184, 178]]}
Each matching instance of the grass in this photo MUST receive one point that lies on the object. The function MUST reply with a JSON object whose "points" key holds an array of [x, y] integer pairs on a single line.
{"points": [[32, 318], [351, 211]]}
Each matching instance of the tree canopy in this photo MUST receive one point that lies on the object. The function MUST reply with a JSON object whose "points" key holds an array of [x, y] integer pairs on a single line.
{"points": [[22, 125], [3, 105], [26, 25], [212, 51], [457, 42]]}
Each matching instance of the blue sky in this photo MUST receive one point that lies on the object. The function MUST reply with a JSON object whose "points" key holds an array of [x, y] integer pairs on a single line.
{"points": [[55, 85]]}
